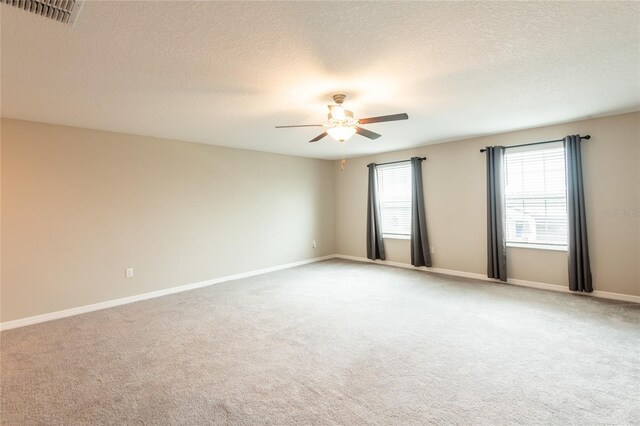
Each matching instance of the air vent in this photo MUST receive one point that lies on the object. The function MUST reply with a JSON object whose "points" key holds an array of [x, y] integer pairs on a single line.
{"points": [[64, 11]]}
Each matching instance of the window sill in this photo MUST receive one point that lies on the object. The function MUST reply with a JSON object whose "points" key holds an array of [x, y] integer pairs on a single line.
{"points": [[537, 247], [396, 237]]}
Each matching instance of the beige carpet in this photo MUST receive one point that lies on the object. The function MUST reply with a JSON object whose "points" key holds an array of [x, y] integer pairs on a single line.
{"points": [[336, 342]]}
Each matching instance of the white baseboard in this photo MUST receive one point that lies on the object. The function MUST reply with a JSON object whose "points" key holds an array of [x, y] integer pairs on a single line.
{"points": [[22, 322], [521, 283], [451, 272]]}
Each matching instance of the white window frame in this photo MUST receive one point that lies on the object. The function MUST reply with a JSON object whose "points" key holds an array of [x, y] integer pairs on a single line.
{"points": [[520, 243], [381, 201]]}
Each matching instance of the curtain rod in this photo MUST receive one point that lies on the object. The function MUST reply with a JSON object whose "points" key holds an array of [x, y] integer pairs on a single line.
{"points": [[538, 143], [399, 161]]}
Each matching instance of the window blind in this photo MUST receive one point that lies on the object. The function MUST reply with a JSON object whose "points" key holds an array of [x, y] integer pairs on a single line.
{"points": [[394, 186], [535, 196]]}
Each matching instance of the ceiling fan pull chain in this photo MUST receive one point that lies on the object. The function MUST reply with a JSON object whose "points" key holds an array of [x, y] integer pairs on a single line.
{"points": [[343, 161]]}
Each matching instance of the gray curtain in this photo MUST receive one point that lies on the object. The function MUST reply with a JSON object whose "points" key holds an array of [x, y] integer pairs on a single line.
{"points": [[577, 247], [496, 245], [375, 244], [420, 253]]}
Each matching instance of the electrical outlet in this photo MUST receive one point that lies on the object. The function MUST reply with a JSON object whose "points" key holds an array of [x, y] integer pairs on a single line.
{"points": [[432, 249], [314, 243], [128, 273]]}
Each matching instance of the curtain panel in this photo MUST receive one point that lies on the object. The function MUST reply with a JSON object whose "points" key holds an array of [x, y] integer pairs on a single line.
{"points": [[496, 242], [420, 252], [375, 243], [577, 245]]}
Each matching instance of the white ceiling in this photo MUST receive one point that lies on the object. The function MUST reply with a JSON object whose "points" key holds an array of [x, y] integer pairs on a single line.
{"points": [[225, 73]]}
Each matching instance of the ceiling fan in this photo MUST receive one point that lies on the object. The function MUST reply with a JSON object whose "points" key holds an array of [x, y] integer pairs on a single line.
{"points": [[341, 124]]}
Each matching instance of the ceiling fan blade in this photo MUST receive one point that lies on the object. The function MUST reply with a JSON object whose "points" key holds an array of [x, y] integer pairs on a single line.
{"points": [[367, 133], [320, 136], [301, 125], [393, 117]]}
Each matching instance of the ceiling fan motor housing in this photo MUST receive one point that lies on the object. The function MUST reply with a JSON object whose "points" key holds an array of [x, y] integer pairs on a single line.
{"points": [[348, 118]]}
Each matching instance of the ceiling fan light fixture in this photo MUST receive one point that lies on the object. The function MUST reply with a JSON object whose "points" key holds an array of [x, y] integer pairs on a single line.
{"points": [[341, 133]]}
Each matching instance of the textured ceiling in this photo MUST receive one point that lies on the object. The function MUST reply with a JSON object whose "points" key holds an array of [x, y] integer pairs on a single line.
{"points": [[227, 73]]}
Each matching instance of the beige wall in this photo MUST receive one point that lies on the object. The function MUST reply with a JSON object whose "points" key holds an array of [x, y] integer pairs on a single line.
{"points": [[455, 191], [79, 206]]}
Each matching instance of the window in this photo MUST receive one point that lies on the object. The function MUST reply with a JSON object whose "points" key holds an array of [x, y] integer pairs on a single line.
{"points": [[394, 190], [535, 197]]}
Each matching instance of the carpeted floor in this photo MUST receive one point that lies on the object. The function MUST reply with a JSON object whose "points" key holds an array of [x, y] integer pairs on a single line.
{"points": [[336, 342]]}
